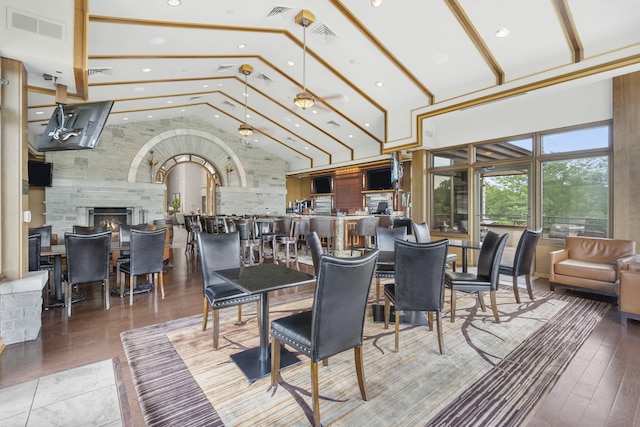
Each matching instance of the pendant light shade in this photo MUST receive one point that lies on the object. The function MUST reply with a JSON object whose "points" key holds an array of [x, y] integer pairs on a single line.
{"points": [[245, 129], [304, 99]]}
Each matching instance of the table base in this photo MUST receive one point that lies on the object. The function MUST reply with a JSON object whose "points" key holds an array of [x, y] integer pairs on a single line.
{"points": [[406, 318], [140, 288], [253, 368], [75, 297]]}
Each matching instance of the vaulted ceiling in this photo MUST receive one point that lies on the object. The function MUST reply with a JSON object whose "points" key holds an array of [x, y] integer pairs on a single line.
{"points": [[375, 72]]}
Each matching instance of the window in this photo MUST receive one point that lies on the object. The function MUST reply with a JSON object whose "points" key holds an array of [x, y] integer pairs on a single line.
{"points": [[587, 138], [450, 201], [457, 156], [575, 197], [504, 150]]}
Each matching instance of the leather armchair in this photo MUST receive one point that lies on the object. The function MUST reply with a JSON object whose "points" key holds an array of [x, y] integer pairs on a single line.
{"points": [[630, 293]]}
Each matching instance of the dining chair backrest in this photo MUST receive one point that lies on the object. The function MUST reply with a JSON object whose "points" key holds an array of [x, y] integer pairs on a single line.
{"points": [[88, 257], [385, 237], [419, 275], [421, 232], [218, 252], [339, 304], [489, 257], [243, 227], [81, 229], [315, 245], [366, 226], [324, 227], [525, 251], [124, 231], [147, 251], [44, 232], [34, 252]]}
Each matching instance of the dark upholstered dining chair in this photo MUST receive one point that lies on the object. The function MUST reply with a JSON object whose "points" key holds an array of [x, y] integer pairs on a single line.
{"points": [[81, 229], [385, 241], [423, 235], [88, 260], [124, 238], [486, 277], [34, 252], [522, 260], [220, 252], [325, 229], [249, 245], [45, 240], [419, 283], [333, 325], [146, 257], [315, 245]]}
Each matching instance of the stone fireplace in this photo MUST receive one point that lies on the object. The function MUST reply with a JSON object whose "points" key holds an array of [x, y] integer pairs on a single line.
{"points": [[109, 217]]}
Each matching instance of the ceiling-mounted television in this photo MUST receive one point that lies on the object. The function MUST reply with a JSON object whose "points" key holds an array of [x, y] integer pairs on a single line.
{"points": [[75, 127], [322, 185], [40, 173], [379, 179]]}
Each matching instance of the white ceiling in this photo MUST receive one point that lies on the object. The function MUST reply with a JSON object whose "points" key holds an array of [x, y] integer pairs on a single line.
{"points": [[193, 55]]}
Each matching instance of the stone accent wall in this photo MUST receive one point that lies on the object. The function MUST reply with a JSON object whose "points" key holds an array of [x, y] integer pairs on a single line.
{"points": [[117, 172], [21, 307]]}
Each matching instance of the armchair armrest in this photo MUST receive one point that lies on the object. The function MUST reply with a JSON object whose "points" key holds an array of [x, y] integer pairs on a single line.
{"points": [[554, 257], [623, 264]]}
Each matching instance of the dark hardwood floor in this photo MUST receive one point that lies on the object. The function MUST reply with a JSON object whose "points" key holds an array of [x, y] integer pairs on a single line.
{"points": [[601, 387]]}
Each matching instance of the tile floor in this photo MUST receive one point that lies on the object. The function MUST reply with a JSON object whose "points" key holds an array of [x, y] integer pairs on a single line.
{"points": [[64, 399]]}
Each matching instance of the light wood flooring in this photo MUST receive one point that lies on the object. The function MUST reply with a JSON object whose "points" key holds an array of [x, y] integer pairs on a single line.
{"points": [[601, 387]]}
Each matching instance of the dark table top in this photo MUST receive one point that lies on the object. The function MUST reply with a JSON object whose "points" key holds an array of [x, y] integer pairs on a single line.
{"points": [[264, 277]]}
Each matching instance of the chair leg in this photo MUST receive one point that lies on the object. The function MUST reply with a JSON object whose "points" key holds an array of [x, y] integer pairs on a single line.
{"points": [[215, 319], [132, 280], [397, 319], [377, 290], [275, 361], [430, 319], [440, 334], [453, 305], [68, 298], [315, 394], [205, 314], [529, 290], [357, 351], [239, 313], [107, 291], [161, 280], [121, 285], [481, 301], [516, 292], [387, 311], [494, 305]]}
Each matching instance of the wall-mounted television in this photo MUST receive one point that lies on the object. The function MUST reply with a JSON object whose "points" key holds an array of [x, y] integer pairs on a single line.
{"points": [[322, 185], [40, 173], [75, 126], [379, 179]]}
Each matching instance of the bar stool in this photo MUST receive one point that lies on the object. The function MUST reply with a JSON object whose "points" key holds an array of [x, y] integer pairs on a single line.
{"points": [[325, 230], [248, 244], [288, 244], [365, 228]]}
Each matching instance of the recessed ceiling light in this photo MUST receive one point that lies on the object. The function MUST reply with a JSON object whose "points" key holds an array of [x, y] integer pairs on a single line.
{"points": [[291, 63], [169, 102], [149, 116], [157, 41], [379, 83], [376, 3], [306, 148], [146, 70], [242, 45], [367, 125], [183, 110], [125, 118], [220, 84], [174, 3], [502, 32], [205, 85], [216, 116], [138, 89], [314, 111], [39, 113], [350, 136], [297, 125], [440, 58]]}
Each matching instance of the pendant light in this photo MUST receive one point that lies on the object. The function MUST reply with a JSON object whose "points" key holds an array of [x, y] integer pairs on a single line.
{"points": [[245, 129], [304, 99]]}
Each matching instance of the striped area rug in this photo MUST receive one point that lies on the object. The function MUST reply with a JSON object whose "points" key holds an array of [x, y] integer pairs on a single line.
{"points": [[491, 374]]}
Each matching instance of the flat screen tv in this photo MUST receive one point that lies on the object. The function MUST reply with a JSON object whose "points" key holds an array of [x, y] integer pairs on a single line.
{"points": [[75, 127], [322, 185], [379, 179], [40, 173]]}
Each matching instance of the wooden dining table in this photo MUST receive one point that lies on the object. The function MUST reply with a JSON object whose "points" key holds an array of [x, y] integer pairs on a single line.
{"points": [[261, 279]]}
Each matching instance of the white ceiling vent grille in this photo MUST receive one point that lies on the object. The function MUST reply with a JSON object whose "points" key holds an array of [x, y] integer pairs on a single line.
{"points": [[324, 34], [36, 25], [264, 78], [105, 71], [223, 68], [278, 11]]}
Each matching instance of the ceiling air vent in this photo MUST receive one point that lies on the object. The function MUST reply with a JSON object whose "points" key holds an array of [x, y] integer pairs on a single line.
{"points": [[105, 71], [36, 25], [277, 11], [324, 34], [229, 103], [266, 79], [333, 124], [223, 68], [194, 98], [291, 139]]}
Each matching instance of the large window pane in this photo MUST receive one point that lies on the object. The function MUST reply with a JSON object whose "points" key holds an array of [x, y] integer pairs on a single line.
{"points": [[574, 140], [456, 156], [505, 196], [575, 197], [504, 150], [450, 202]]}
